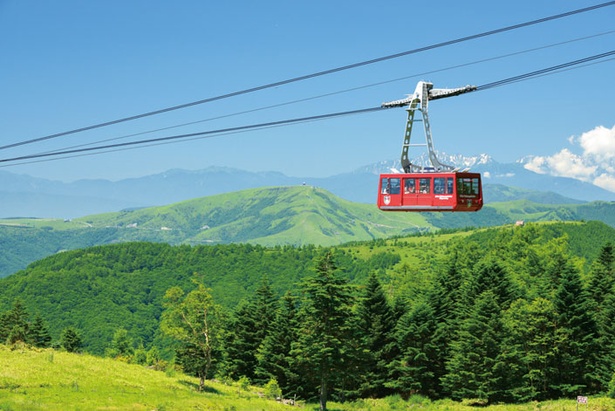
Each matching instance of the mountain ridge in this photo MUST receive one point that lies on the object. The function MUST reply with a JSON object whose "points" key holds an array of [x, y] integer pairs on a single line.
{"points": [[270, 216], [30, 196]]}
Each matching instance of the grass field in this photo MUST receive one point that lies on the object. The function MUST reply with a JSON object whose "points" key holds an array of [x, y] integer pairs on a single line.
{"points": [[53, 380]]}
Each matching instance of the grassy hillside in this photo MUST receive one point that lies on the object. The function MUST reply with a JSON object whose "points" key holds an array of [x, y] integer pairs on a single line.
{"points": [[272, 216], [58, 381]]}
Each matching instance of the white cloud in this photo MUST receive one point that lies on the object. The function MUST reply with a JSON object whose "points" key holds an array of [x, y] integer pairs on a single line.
{"points": [[599, 143], [605, 181], [595, 164]]}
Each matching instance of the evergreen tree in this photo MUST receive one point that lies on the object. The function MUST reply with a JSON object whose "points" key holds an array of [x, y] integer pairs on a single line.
{"points": [[476, 368], [320, 353], [414, 370], [444, 298], [14, 324], [39, 334], [274, 359], [602, 276], [375, 335], [251, 324], [602, 293], [577, 350], [70, 340], [530, 348]]}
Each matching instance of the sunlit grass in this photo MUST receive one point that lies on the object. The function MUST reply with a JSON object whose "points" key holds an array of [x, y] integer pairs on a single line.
{"points": [[51, 380]]}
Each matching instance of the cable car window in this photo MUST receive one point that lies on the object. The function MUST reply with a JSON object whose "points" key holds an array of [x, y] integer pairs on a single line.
{"points": [[438, 185], [395, 185], [390, 186], [475, 186], [409, 186], [386, 187], [425, 185], [449, 185], [468, 186]]}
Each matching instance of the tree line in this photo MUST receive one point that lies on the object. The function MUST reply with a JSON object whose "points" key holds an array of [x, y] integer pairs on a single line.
{"points": [[509, 316], [478, 334]]}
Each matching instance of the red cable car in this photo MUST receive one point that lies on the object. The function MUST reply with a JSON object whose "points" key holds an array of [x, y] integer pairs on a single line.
{"points": [[437, 188], [436, 191]]}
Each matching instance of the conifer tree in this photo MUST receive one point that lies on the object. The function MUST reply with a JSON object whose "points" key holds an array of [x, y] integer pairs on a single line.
{"points": [[14, 324], [414, 369], [375, 334], [476, 368], [321, 353], [70, 340], [274, 360], [602, 293], [444, 298], [530, 348], [121, 345], [577, 351], [250, 325], [39, 334]]}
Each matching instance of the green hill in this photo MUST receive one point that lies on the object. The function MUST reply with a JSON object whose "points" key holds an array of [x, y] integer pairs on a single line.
{"points": [[272, 216]]}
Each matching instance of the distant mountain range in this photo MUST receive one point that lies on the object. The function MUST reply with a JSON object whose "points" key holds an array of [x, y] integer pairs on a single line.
{"points": [[25, 196]]}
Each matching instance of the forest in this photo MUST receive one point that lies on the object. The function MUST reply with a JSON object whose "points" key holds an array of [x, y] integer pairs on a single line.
{"points": [[509, 314]]}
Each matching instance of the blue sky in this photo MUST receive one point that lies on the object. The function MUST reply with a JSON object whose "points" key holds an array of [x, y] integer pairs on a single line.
{"points": [[71, 64]]}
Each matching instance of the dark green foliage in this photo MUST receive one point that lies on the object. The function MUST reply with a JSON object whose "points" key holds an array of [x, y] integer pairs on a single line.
{"points": [[250, 325], [121, 345], [70, 340], [39, 334], [531, 349], [577, 332], [375, 324], [16, 326], [476, 368], [322, 352], [414, 369], [274, 354]]}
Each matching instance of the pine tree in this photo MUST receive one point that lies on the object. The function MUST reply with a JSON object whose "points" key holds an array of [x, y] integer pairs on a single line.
{"points": [[444, 298], [375, 334], [39, 334], [321, 350], [577, 332], [121, 345], [602, 294], [476, 368], [530, 348], [15, 324], [414, 370], [250, 326], [70, 340], [274, 360]]}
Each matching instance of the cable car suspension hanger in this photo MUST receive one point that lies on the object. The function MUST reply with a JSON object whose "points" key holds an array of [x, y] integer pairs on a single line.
{"points": [[419, 101]]}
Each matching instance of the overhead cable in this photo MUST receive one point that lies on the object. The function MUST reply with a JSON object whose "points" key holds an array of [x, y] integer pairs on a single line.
{"points": [[313, 75], [211, 133]]}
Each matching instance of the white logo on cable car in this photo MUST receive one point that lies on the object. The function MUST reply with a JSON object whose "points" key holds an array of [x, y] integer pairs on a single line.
{"points": [[387, 200]]}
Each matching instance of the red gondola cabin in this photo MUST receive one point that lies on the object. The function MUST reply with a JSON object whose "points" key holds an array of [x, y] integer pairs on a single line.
{"points": [[430, 191]]}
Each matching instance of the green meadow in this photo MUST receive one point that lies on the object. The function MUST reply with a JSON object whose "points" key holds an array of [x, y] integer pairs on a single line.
{"points": [[50, 380]]}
